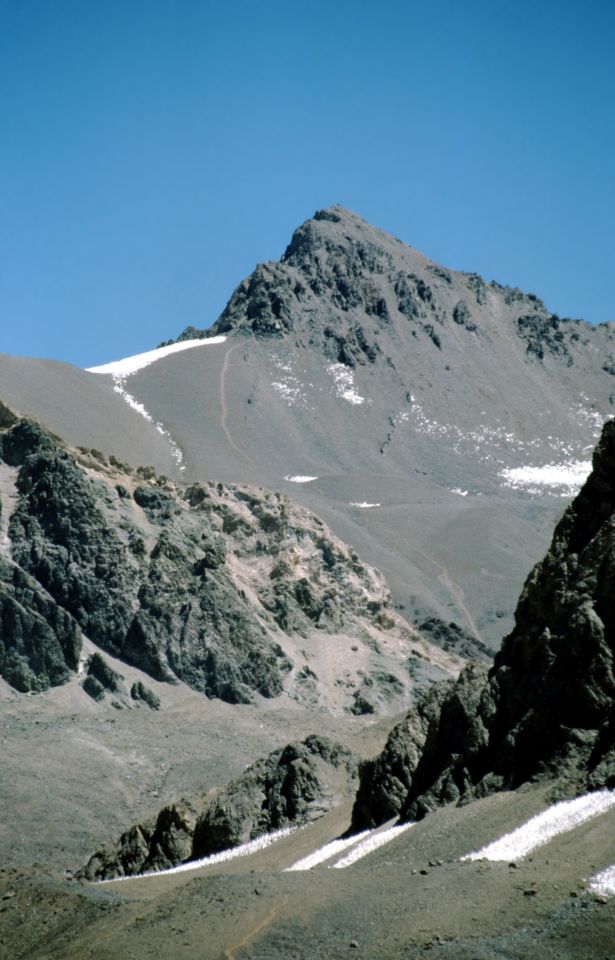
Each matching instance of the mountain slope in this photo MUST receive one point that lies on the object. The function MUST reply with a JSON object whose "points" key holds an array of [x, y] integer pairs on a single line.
{"points": [[443, 420], [546, 707]]}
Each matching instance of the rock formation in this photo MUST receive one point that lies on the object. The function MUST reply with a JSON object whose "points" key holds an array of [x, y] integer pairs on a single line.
{"points": [[292, 786], [220, 586]]}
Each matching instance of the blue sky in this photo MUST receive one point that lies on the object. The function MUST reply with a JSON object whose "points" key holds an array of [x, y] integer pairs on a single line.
{"points": [[155, 150]]}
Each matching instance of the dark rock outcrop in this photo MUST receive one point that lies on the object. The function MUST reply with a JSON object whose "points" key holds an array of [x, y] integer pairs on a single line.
{"points": [[293, 785], [102, 678], [206, 584], [156, 844], [545, 710], [39, 641], [143, 694]]}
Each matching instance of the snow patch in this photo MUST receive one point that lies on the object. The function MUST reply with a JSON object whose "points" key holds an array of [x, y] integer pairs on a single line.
{"points": [[253, 846], [330, 850], [371, 843], [344, 384], [300, 478], [459, 491], [560, 818], [363, 505], [288, 386], [129, 365], [119, 386], [565, 478], [603, 883]]}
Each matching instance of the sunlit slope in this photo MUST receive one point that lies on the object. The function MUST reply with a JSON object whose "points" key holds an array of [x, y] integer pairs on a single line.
{"points": [[83, 409]]}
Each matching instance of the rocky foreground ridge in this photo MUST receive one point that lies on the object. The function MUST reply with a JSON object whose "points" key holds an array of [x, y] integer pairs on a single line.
{"points": [[545, 708], [235, 591], [292, 786]]}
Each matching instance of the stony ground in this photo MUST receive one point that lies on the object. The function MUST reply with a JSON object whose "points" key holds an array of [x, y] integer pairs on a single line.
{"points": [[409, 899]]}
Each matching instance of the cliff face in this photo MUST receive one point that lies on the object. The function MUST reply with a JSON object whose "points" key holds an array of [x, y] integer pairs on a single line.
{"points": [[236, 591], [546, 707]]}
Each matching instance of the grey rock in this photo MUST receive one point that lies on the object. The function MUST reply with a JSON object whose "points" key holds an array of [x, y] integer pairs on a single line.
{"points": [[293, 785]]}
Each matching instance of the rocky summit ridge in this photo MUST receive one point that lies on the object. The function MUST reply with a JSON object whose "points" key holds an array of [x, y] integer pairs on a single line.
{"points": [[341, 281]]}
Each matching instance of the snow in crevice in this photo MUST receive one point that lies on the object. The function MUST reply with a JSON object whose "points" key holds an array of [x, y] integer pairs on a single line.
{"points": [[557, 819], [375, 839], [234, 853], [344, 384], [299, 478], [327, 852], [363, 504]]}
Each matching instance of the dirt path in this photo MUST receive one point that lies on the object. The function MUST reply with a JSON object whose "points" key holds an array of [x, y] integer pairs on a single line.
{"points": [[230, 952], [224, 408]]}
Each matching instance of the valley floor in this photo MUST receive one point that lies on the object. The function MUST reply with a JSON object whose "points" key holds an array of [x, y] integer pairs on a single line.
{"points": [[410, 898]]}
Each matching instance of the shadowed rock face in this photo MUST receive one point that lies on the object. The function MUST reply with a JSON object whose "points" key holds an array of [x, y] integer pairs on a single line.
{"points": [[220, 586], [546, 707]]}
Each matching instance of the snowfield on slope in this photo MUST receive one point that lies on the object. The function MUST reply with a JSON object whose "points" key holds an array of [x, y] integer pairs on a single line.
{"points": [[565, 478], [603, 883], [560, 818], [129, 365], [372, 842], [330, 850], [253, 846], [120, 370]]}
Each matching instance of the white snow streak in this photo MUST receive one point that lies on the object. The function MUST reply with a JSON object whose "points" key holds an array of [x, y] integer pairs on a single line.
{"points": [[344, 384], [120, 370], [129, 365], [459, 491], [327, 852], [560, 818], [300, 478], [364, 505], [568, 477], [371, 843], [603, 883], [223, 857]]}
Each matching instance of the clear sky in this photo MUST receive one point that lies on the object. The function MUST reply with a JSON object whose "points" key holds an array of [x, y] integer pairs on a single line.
{"points": [[153, 151]]}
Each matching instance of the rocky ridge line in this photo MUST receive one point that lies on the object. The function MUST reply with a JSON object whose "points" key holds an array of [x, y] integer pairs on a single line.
{"points": [[340, 281]]}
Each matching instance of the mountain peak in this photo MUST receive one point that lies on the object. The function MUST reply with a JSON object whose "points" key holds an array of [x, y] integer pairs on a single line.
{"points": [[341, 279]]}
